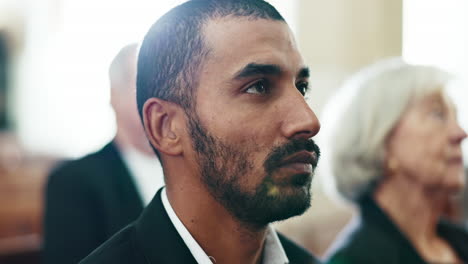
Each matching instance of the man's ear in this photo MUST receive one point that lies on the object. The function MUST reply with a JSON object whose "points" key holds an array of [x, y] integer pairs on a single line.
{"points": [[160, 119]]}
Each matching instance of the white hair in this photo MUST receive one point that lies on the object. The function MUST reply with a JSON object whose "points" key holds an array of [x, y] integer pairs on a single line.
{"points": [[372, 102]]}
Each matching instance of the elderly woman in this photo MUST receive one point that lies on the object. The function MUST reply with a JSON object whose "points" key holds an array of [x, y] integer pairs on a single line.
{"points": [[395, 152]]}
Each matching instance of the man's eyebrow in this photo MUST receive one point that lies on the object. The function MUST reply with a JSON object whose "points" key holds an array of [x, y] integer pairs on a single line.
{"points": [[255, 69], [303, 73]]}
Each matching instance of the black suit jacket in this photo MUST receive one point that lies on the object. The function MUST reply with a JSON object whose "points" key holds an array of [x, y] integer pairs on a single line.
{"points": [[153, 239], [87, 201], [373, 238]]}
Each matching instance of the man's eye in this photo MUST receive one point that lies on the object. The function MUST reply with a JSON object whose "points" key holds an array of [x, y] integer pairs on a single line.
{"points": [[259, 87], [302, 87]]}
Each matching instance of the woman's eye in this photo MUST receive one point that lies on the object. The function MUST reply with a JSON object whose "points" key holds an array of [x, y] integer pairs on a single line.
{"points": [[438, 113], [302, 87], [259, 87]]}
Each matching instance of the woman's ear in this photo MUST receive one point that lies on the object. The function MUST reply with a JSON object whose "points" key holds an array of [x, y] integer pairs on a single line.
{"points": [[160, 122]]}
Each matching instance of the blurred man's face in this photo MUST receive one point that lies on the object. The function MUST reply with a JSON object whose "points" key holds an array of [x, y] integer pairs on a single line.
{"points": [[251, 127], [123, 100]]}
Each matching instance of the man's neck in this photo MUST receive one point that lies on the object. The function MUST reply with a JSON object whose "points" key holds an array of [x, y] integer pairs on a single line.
{"points": [[213, 227]]}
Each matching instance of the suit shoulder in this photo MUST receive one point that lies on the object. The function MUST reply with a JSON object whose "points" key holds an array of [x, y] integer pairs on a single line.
{"points": [[120, 248], [296, 254], [71, 169], [343, 258], [363, 245]]}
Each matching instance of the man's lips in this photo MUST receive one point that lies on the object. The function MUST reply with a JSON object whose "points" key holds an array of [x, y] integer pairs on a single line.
{"points": [[304, 161]]}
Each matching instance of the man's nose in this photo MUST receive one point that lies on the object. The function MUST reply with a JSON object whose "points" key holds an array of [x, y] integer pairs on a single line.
{"points": [[301, 121]]}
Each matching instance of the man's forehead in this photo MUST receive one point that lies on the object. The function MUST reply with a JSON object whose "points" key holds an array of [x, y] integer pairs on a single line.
{"points": [[249, 40], [239, 30]]}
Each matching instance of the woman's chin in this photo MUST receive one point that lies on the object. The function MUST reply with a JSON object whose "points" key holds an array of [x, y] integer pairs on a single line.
{"points": [[454, 186]]}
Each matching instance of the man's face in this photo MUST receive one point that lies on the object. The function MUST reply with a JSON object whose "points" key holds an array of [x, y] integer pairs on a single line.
{"points": [[251, 127]]}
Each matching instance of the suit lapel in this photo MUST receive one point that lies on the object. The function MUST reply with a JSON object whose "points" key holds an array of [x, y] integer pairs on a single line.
{"points": [[158, 238]]}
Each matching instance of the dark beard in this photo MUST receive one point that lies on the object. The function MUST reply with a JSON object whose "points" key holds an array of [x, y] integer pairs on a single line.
{"points": [[223, 168]]}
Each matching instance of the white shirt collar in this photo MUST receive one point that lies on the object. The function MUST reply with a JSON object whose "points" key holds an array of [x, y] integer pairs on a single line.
{"points": [[273, 250], [197, 252]]}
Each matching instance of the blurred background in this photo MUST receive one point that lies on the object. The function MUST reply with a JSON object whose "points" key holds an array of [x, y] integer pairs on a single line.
{"points": [[54, 90]]}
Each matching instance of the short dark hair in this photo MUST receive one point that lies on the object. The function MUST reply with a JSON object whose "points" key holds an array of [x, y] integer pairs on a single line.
{"points": [[174, 50]]}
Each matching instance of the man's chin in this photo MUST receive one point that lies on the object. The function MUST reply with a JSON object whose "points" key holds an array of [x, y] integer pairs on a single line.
{"points": [[293, 207], [291, 181], [289, 200], [272, 202]]}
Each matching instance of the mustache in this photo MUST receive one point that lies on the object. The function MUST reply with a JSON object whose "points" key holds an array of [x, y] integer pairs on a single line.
{"points": [[279, 153]]}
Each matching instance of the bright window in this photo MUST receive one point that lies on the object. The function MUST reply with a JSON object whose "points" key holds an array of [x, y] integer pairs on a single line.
{"points": [[435, 32]]}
